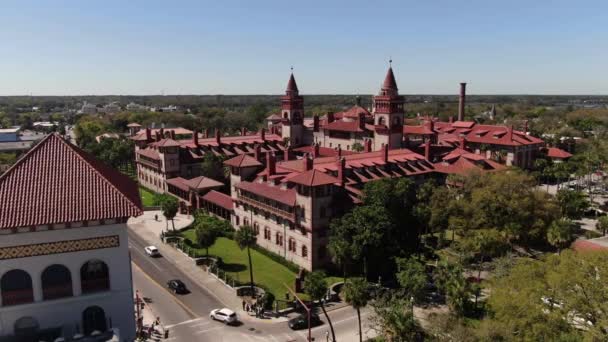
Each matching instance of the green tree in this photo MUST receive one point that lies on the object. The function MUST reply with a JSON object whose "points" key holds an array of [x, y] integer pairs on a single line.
{"points": [[560, 233], [357, 147], [246, 237], [316, 287], [169, 207], [356, 294], [206, 232], [5, 122], [450, 280], [602, 224], [411, 277], [572, 203], [393, 319]]}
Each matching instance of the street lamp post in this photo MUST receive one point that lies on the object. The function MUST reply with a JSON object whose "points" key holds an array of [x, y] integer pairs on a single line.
{"points": [[305, 307]]}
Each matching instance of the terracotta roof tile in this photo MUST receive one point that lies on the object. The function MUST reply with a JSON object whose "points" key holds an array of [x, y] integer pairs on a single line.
{"points": [[242, 160], [314, 178], [554, 152], [276, 193], [56, 182], [219, 199]]}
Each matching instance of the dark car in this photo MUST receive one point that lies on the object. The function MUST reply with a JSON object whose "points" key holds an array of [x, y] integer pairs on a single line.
{"points": [[177, 286], [301, 322]]}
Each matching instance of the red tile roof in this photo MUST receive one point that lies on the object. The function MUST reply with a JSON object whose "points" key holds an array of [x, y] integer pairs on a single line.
{"points": [[291, 85], [220, 199], [353, 112], [344, 126], [417, 130], [323, 151], [203, 182], [389, 80], [314, 177], [165, 143], [242, 160], [56, 182], [150, 153], [276, 193], [554, 152]]}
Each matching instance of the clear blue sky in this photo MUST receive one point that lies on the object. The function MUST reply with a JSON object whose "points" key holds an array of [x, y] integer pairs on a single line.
{"points": [[336, 47]]}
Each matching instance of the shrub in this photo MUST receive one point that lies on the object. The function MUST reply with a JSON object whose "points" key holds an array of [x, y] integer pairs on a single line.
{"points": [[267, 300], [591, 234], [275, 257]]}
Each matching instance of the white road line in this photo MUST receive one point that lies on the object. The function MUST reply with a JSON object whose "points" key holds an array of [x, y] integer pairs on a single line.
{"points": [[207, 330], [200, 324], [184, 322]]}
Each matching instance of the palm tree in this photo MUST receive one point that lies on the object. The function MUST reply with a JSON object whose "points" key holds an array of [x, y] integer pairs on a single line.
{"points": [[316, 287], [560, 233], [246, 237], [355, 294]]}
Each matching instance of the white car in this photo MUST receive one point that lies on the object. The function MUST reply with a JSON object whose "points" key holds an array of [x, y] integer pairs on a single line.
{"points": [[151, 251], [224, 315]]}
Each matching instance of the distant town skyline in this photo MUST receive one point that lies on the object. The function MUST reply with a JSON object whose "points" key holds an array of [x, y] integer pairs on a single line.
{"points": [[337, 47]]}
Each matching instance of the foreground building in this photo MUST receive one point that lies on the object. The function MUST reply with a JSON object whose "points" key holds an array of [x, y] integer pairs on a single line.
{"points": [[64, 256]]}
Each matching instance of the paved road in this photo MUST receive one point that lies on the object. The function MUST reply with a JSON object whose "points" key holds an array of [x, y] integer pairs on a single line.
{"points": [[186, 316]]}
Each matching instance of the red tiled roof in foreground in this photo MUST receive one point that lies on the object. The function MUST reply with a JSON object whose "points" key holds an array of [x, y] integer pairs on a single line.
{"points": [[56, 182], [220, 199]]}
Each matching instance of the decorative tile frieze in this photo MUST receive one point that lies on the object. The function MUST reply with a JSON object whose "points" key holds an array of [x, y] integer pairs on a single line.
{"points": [[67, 246]]}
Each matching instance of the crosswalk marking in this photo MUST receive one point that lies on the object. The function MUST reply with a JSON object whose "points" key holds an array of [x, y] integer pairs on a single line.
{"points": [[184, 322], [207, 330]]}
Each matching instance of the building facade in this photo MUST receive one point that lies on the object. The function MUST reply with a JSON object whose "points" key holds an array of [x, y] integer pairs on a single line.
{"points": [[65, 265]]}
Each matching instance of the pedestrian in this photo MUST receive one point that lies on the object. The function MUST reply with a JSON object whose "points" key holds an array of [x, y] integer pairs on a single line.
{"points": [[326, 335], [244, 305]]}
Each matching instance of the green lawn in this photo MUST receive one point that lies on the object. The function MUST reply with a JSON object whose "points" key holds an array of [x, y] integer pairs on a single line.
{"points": [[265, 270], [147, 197]]}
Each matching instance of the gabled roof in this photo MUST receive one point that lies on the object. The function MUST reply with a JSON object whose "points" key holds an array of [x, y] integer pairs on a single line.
{"points": [[203, 182], [314, 177], [275, 193], [150, 153], [417, 130], [344, 126], [134, 124], [353, 112], [242, 160], [389, 80], [56, 182]]}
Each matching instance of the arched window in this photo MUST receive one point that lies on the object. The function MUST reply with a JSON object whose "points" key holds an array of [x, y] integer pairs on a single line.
{"points": [[56, 282], [304, 252], [94, 319], [381, 121], [94, 276], [16, 286]]}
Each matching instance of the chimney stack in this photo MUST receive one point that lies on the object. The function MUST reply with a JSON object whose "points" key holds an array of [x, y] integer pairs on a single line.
{"points": [[367, 145], [162, 133], [286, 153], [341, 162], [339, 151], [206, 135], [243, 131], [315, 123], [526, 127], [195, 138], [307, 162], [462, 143], [271, 163], [158, 136], [263, 134], [172, 134], [217, 136], [451, 119], [510, 133], [362, 121], [330, 117], [427, 150], [148, 135], [385, 153], [463, 93], [256, 151]]}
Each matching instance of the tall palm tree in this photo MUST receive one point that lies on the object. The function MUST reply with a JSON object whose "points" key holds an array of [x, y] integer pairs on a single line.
{"points": [[316, 287], [246, 237], [355, 294]]}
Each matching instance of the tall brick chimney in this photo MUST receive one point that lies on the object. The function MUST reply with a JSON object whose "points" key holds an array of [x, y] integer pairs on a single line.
{"points": [[307, 162], [286, 153], [206, 135], [510, 133], [158, 136], [340, 163], [271, 163], [243, 131], [526, 127], [315, 150], [367, 145], [172, 134], [427, 150], [385, 153], [162, 133], [256, 151], [263, 134], [148, 135], [463, 94], [315, 123], [195, 138], [451, 119], [462, 145], [217, 136], [361, 121], [330, 117]]}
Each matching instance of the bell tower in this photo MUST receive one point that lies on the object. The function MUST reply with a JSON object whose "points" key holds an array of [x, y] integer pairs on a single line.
{"points": [[292, 113], [388, 113]]}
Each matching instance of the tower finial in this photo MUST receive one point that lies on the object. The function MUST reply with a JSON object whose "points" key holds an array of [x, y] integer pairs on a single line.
{"points": [[291, 68], [390, 62]]}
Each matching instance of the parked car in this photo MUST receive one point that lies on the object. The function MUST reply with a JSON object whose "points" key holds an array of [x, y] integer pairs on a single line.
{"points": [[177, 286], [152, 251], [224, 315], [301, 322]]}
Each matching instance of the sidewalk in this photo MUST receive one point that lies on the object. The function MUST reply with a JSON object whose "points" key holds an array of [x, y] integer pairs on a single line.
{"points": [[149, 230]]}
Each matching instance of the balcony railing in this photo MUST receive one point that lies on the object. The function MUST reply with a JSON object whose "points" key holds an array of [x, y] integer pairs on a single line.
{"points": [[282, 213], [16, 297]]}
